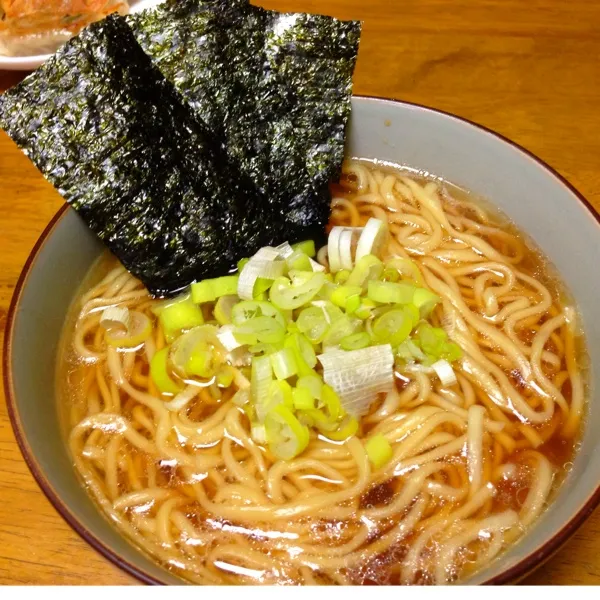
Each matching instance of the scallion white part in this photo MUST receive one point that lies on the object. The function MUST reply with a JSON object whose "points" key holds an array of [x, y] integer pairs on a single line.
{"points": [[284, 250], [115, 317], [227, 338], [316, 267], [445, 372], [259, 434], [266, 263], [333, 249], [372, 239], [358, 376], [345, 249]]}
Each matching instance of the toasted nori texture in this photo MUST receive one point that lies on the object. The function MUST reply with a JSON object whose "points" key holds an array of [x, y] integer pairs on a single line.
{"points": [[225, 140], [277, 86], [117, 141]]}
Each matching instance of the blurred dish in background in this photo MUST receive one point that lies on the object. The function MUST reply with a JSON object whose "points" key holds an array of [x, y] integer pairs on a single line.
{"points": [[31, 30]]}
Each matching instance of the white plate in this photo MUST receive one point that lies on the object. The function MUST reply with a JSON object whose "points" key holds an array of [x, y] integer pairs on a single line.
{"points": [[28, 63]]}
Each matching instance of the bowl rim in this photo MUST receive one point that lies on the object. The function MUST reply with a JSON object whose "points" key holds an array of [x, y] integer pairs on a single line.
{"points": [[522, 568]]}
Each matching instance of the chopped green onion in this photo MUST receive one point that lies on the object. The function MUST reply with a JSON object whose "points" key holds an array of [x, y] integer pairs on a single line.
{"points": [[341, 276], [393, 327], [390, 275], [318, 267], [352, 304], [160, 375], [406, 268], [306, 358], [261, 378], [387, 292], [250, 309], [431, 339], [226, 335], [286, 296], [198, 352], [201, 363], [303, 399], [356, 341], [284, 363], [242, 263], [331, 312], [313, 323], [409, 351], [317, 418], [342, 293], [340, 329], [379, 450], [178, 315], [425, 301], [312, 383], [365, 309], [261, 286], [139, 330], [225, 376], [412, 312], [266, 264], [299, 262], [223, 309], [434, 342], [262, 348], [307, 247], [330, 401], [451, 352], [211, 289], [241, 397], [368, 268], [258, 433], [347, 428], [260, 329], [279, 393], [285, 250], [115, 317], [287, 437], [300, 277]]}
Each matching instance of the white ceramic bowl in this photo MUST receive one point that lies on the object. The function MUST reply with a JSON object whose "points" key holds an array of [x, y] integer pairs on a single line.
{"points": [[29, 63], [537, 199]]}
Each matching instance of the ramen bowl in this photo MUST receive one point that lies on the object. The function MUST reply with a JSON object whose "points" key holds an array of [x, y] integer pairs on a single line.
{"points": [[534, 197]]}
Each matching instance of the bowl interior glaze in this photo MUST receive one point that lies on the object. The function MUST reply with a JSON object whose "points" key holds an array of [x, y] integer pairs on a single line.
{"points": [[536, 199]]}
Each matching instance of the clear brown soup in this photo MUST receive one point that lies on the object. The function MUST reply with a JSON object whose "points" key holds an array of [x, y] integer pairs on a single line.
{"points": [[183, 487]]}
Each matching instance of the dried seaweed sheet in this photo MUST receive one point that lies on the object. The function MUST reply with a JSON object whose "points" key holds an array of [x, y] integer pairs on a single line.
{"points": [[181, 191], [277, 85], [117, 141]]}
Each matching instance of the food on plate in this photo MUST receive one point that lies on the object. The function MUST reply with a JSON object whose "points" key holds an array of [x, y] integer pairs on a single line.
{"points": [[30, 27]]}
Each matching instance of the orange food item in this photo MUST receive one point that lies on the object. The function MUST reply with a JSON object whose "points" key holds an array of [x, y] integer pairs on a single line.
{"points": [[30, 27]]}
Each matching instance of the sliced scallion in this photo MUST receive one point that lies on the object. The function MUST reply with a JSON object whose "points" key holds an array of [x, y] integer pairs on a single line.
{"points": [[160, 374], [379, 450]]}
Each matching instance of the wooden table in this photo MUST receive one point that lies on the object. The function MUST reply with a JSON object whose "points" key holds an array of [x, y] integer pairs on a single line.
{"points": [[528, 70]]}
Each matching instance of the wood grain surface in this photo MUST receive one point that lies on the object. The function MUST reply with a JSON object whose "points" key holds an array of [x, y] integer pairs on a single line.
{"points": [[527, 69]]}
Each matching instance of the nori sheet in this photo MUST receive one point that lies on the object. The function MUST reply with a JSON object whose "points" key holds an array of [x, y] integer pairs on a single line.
{"points": [[181, 183], [117, 141], [277, 85]]}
